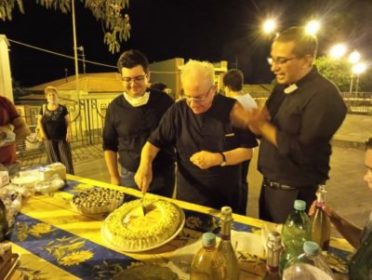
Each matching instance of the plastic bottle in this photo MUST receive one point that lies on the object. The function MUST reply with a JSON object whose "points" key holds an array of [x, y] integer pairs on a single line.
{"points": [[274, 248], [225, 246], [311, 256], [208, 263], [320, 222], [296, 230]]}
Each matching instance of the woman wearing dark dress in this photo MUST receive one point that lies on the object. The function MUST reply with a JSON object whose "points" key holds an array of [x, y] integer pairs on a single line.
{"points": [[54, 129]]}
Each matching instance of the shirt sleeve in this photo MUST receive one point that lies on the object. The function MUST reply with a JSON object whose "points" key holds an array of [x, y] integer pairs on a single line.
{"points": [[12, 111], [321, 118], [110, 135], [165, 134]]}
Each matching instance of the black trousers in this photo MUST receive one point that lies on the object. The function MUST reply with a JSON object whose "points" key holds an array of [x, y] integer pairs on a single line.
{"points": [[275, 204], [59, 151]]}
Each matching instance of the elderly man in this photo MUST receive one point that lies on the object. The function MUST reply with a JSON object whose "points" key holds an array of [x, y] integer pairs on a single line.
{"points": [[301, 116], [130, 119], [361, 263], [12, 127], [202, 128]]}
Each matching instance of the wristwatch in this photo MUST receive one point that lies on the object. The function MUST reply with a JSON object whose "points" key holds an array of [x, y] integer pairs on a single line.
{"points": [[223, 163]]}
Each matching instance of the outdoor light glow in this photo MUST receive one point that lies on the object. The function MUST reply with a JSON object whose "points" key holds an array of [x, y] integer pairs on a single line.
{"points": [[354, 57], [359, 68], [269, 26], [338, 51], [312, 27]]}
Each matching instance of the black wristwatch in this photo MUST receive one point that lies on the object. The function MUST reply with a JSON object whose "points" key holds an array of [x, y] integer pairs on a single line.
{"points": [[223, 163]]}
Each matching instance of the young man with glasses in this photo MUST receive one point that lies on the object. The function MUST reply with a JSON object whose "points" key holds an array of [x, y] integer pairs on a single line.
{"points": [[130, 118], [209, 147], [297, 124]]}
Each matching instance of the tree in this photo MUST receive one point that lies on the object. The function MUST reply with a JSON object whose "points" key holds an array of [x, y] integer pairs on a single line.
{"points": [[337, 70], [115, 23]]}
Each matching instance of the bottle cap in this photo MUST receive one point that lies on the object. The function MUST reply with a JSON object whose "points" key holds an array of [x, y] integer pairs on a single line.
{"points": [[299, 205], [226, 210], [311, 248], [208, 239]]}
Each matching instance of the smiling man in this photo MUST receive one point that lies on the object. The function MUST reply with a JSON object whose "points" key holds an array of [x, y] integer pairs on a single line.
{"points": [[209, 147], [297, 124], [130, 118]]}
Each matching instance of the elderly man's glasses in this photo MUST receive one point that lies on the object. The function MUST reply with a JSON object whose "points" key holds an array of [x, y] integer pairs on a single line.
{"points": [[198, 99], [135, 79], [279, 60]]}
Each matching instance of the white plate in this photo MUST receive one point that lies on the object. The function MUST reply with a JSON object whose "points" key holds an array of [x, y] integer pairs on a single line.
{"points": [[179, 229]]}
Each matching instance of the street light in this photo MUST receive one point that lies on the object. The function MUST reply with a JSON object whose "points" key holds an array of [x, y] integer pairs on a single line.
{"points": [[338, 51], [358, 69], [354, 57], [81, 48], [269, 26], [312, 27]]}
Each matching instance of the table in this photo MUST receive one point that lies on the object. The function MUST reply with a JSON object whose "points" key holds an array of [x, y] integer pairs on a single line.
{"points": [[57, 242]]}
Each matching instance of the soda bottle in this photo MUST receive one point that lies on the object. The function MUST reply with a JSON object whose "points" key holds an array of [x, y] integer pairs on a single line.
{"points": [[225, 246], [208, 263], [274, 248], [296, 230], [311, 256], [320, 222]]}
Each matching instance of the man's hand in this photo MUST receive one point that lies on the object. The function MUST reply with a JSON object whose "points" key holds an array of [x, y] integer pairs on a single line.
{"points": [[328, 210], [143, 177], [205, 160], [68, 137], [115, 180]]}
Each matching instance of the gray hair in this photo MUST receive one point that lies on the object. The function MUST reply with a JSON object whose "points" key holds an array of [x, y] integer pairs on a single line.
{"points": [[202, 69]]}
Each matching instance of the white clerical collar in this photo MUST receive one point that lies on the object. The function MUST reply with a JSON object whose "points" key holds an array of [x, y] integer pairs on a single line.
{"points": [[291, 88], [137, 101]]}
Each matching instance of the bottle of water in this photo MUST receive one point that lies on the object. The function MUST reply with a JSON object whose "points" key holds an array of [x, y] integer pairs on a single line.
{"points": [[225, 246], [274, 248], [312, 256], [320, 222], [296, 230], [208, 263]]}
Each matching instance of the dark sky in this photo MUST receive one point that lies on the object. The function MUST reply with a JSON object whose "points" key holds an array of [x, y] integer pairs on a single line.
{"points": [[211, 30]]}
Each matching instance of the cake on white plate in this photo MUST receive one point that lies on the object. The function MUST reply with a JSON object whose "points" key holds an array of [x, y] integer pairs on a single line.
{"points": [[162, 222], [97, 200]]}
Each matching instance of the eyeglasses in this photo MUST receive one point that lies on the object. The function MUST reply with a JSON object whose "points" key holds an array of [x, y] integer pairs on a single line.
{"points": [[135, 79], [279, 60], [198, 99]]}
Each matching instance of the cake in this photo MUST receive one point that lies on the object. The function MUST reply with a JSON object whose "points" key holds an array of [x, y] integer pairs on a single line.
{"points": [[97, 200], [162, 221]]}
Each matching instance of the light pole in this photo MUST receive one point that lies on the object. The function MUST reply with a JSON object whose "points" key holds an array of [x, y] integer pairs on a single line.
{"points": [[358, 69], [81, 48], [354, 58]]}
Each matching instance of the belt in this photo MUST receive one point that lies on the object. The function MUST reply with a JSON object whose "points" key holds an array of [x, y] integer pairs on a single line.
{"points": [[277, 186]]}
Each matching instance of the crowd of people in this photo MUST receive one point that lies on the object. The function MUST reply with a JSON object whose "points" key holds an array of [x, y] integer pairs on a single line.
{"points": [[198, 148]]}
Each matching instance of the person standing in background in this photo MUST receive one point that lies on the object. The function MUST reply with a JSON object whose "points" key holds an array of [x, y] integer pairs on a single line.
{"points": [[54, 129], [130, 118], [301, 115], [12, 127], [233, 82]]}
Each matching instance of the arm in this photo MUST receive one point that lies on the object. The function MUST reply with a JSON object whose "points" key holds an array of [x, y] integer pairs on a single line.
{"points": [[68, 127], [112, 166], [20, 127], [349, 231], [143, 176], [40, 128], [205, 159]]}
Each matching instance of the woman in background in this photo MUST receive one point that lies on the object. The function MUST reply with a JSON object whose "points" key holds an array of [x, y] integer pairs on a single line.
{"points": [[54, 129]]}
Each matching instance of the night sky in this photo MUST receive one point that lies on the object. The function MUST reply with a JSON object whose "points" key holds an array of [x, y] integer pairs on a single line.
{"points": [[211, 30]]}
